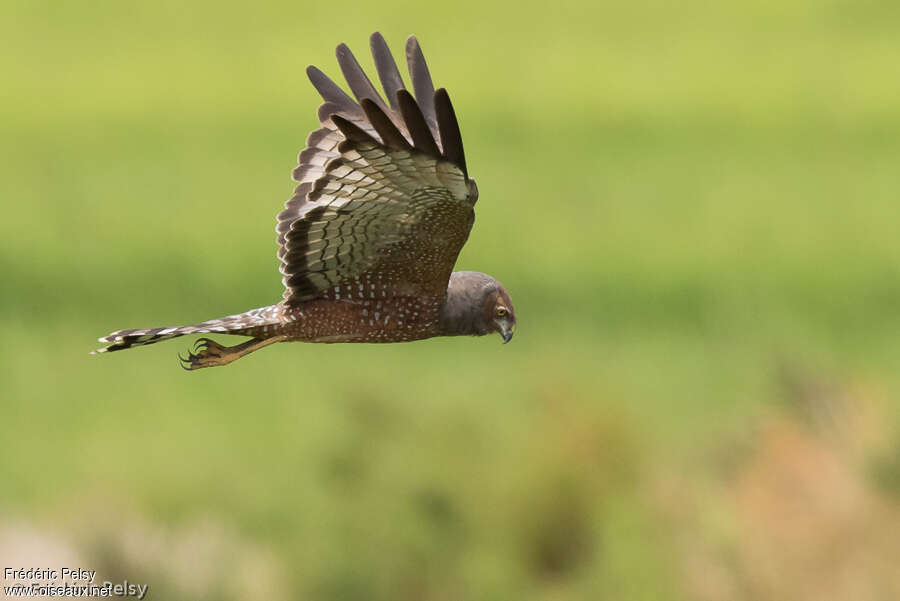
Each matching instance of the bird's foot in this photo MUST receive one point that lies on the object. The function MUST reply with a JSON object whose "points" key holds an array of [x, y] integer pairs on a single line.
{"points": [[208, 353]]}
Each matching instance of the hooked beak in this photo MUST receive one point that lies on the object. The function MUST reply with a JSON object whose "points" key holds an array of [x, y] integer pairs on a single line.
{"points": [[506, 330]]}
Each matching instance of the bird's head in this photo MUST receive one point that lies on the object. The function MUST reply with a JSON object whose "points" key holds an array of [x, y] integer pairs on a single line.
{"points": [[499, 314], [477, 305]]}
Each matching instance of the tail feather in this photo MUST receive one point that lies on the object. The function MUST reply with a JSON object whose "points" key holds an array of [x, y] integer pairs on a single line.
{"points": [[242, 323]]}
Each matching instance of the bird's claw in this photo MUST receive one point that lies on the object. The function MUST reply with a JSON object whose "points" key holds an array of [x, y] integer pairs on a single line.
{"points": [[207, 353]]}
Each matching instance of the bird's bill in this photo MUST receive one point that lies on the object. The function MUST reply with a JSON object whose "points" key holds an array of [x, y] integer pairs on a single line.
{"points": [[506, 331]]}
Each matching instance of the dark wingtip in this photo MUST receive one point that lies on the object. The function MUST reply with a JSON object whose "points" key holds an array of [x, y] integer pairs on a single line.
{"points": [[416, 124], [388, 73], [422, 85], [312, 72], [376, 40], [343, 52], [330, 91], [356, 77], [451, 138], [390, 135]]}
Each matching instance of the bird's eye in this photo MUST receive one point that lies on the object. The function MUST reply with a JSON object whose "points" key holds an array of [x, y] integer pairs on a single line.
{"points": [[501, 311]]}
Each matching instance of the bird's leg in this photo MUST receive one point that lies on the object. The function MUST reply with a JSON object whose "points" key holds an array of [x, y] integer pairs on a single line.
{"points": [[209, 353]]}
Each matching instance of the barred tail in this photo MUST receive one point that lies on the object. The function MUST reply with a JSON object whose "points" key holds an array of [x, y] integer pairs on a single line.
{"points": [[242, 323]]}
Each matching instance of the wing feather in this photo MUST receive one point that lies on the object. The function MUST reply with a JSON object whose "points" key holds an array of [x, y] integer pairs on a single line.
{"points": [[415, 123], [356, 78], [451, 138], [421, 80], [383, 189], [351, 131], [390, 135], [331, 92], [387, 69]]}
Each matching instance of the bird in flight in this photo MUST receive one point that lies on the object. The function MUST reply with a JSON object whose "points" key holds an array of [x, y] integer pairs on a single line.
{"points": [[368, 241]]}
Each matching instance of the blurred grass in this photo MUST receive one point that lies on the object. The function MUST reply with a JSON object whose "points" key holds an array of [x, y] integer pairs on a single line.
{"points": [[678, 197]]}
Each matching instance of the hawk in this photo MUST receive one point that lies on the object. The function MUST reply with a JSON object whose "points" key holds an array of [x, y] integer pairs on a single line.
{"points": [[368, 241]]}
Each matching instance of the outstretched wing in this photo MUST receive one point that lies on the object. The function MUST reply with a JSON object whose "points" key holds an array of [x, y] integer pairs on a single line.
{"points": [[384, 198]]}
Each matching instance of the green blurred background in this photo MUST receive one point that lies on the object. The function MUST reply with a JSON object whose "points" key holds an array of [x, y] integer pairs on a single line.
{"points": [[694, 206]]}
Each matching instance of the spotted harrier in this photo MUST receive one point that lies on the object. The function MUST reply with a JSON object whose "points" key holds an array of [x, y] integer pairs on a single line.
{"points": [[368, 241]]}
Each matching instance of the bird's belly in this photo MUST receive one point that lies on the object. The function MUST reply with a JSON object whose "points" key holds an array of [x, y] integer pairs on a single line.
{"points": [[397, 319]]}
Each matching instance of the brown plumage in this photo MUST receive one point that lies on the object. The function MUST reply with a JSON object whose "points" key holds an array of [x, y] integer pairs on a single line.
{"points": [[368, 241]]}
